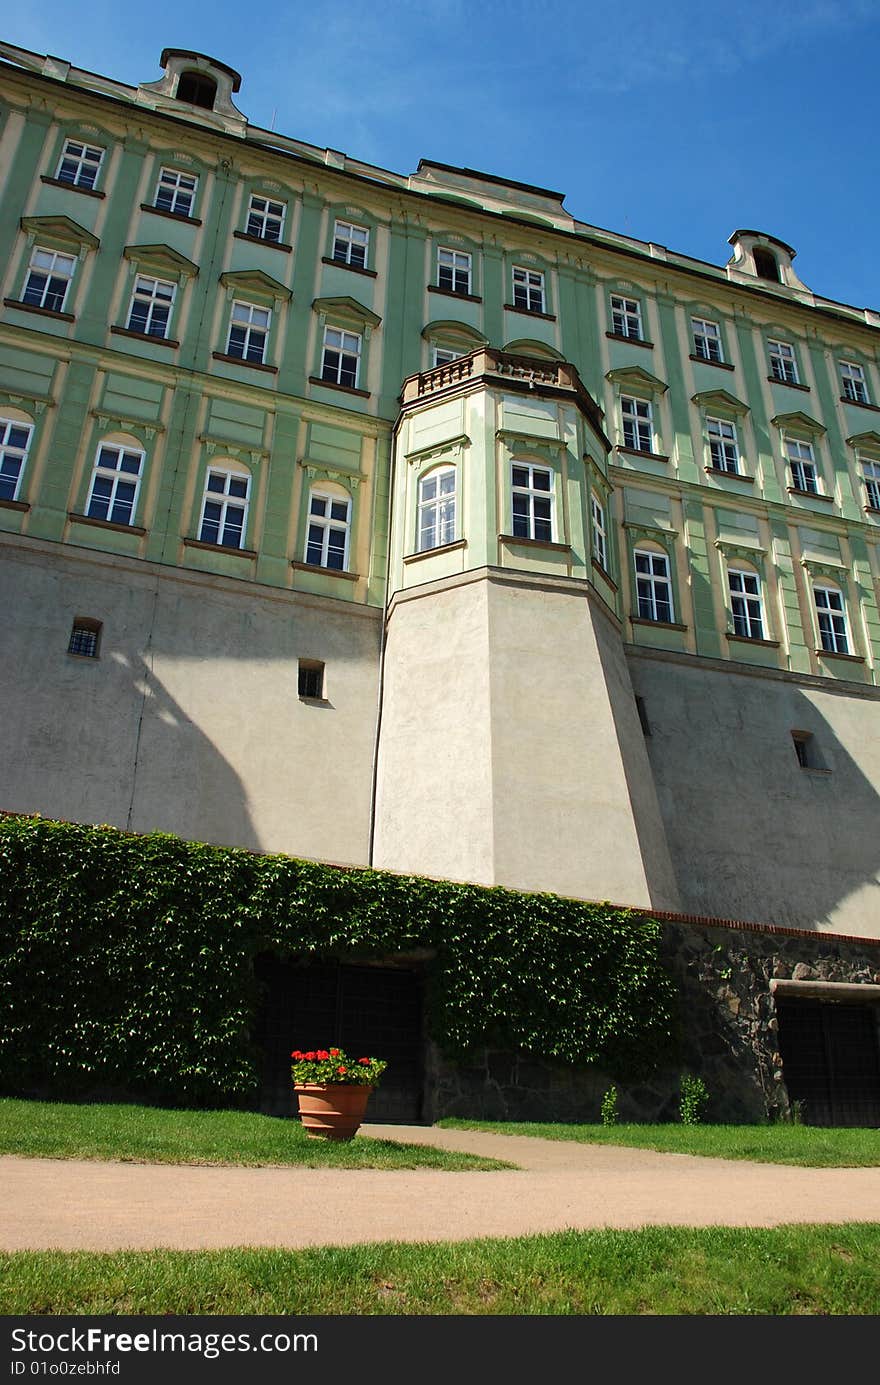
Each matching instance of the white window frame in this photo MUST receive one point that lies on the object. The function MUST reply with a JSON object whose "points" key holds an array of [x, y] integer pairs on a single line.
{"points": [[13, 456], [436, 513], [252, 322], [626, 317], [538, 526], [724, 453], [746, 606], [871, 476], [637, 420], [56, 269], [266, 220], [80, 164], [853, 383], [802, 464], [653, 579], [454, 270], [444, 355], [178, 190], [707, 339], [159, 296], [226, 501], [328, 526], [528, 289], [600, 531], [346, 346], [831, 620], [351, 244], [117, 477], [783, 362]]}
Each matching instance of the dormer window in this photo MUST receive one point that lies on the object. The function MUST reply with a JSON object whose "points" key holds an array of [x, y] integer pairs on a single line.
{"points": [[197, 89], [765, 265]]}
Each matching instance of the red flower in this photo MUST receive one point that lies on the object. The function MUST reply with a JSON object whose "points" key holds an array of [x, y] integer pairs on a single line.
{"points": [[341, 1069], [296, 1053], [309, 1057], [322, 1054], [365, 1060], [334, 1053]]}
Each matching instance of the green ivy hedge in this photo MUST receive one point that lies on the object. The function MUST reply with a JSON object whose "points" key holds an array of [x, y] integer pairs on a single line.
{"points": [[128, 960]]}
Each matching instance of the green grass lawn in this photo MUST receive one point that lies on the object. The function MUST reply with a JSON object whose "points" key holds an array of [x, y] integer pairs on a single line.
{"points": [[150, 1134], [808, 1145], [719, 1270]]}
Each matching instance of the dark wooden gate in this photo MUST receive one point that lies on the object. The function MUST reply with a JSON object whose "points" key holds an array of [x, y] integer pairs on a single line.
{"points": [[831, 1060], [364, 1010]]}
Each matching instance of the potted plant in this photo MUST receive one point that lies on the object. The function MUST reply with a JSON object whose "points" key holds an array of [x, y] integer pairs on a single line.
{"points": [[333, 1090]]}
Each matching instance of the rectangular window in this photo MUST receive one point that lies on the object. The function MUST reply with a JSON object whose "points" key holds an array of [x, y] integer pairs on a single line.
{"points": [[150, 308], [831, 615], [852, 379], [15, 441], [79, 164], [342, 357], [872, 483], [436, 517], [351, 244], [723, 445], [600, 537], [114, 489], [745, 601], [626, 317], [783, 363], [265, 218], [329, 523], [85, 637], [224, 508], [248, 332], [707, 339], [442, 355], [532, 488], [804, 476], [638, 424], [176, 192], [653, 585], [453, 270], [528, 289], [310, 680], [48, 279]]}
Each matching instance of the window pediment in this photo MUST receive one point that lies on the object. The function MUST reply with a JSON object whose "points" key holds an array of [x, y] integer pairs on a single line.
{"points": [[61, 229], [719, 399], [450, 330], [800, 421], [163, 258], [870, 439], [255, 282], [345, 309], [633, 377], [529, 346]]}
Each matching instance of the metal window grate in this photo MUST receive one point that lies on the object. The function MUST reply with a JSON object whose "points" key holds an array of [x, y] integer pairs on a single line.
{"points": [[84, 638], [311, 680]]}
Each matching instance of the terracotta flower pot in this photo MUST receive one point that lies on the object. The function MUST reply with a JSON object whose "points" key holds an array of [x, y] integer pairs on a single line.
{"points": [[332, 1110]]}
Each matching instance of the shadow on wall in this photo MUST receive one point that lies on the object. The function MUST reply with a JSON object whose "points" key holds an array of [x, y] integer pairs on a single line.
{"points": [[769, 795]]}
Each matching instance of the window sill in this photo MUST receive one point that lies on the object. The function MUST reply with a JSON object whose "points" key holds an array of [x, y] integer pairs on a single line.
{"points": [[789, 384], [638, 452], [326, 572], [451, 293], [432, 552], [171, 216], [22, 307], [730, 475], [833, 654], [72, 187], [860, 404], [145, 336], [814, 769], [604, 573], [220, 548], [535, 543], [334, 385], [630, 341], [355, 268], [239, 360], [811, 495], [871, 510], [21, 505], [658, 624], [530, 312], [262, 240], [750, 639], [106, 524], [704, 360]]}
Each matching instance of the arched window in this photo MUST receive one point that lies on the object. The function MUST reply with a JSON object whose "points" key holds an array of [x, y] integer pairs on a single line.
{"points": [[653, 584], [329, 528], [436, 508], [831, 618], [116, 480], [223, 519], [198, 89], [745, 603], [766, 266]]}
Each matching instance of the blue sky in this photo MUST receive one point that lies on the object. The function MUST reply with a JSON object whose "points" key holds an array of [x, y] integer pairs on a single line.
{"points": [[673, 123]]}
